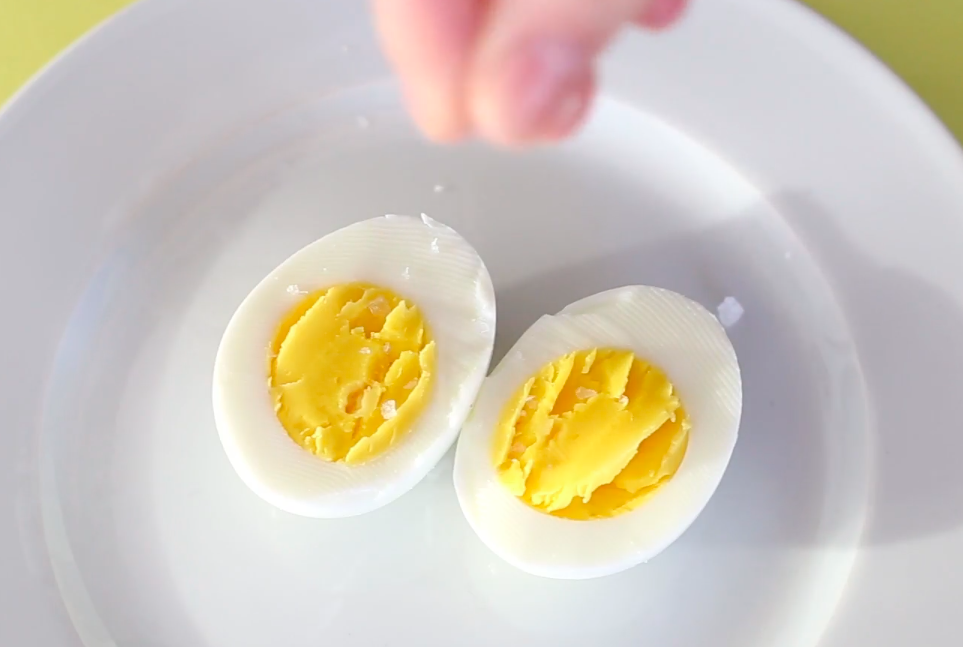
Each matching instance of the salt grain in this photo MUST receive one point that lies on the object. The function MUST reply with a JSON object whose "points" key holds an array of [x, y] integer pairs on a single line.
{"points": [[434, 246], [388, 410], [729, 312], [410, 385], [584, 394], [379, 306], [387, 348], [624, 400], [365, 350]]}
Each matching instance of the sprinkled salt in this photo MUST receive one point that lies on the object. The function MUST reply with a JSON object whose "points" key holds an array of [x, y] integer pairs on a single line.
{"points": [[406, 274], [295, 289], [410, 385], [379, 306], [388, 410], [729, 312], [624, 400], [584, 394], [434, 245], [387, 347], [365, 350]]}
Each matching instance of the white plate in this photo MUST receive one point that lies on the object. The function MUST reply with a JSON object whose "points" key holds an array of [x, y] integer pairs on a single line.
{"points": [[155, 173]]}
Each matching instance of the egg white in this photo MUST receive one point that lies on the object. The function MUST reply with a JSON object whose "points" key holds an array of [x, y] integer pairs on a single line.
{"points": [[665, 328], [420, 260]]}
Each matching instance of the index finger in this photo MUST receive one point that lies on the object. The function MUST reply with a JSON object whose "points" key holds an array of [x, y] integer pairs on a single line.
{"points": [[430, 43]]}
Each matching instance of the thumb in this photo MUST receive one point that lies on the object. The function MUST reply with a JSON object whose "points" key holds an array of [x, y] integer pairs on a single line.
{"points": [[532, 77]]}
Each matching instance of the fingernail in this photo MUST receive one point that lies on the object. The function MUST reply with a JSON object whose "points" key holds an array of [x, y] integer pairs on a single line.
{"points": [[545, 91], [662, 13]]}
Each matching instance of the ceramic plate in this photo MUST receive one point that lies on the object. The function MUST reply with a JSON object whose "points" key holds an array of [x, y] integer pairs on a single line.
{"points": [[158, 170]]}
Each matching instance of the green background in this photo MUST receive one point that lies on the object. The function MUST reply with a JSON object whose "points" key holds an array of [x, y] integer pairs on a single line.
{"points": [[922, 40]]}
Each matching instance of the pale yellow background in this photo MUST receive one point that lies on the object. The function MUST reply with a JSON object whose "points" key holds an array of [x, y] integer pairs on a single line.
{"points": [[921, 39]]}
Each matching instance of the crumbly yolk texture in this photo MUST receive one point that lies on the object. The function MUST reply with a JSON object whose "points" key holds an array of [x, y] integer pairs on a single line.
{"points": [[592, 435], [351, 367]]}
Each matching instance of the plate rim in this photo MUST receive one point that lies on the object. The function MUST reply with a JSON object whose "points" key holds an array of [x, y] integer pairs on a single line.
{"points": [[858, 60]]}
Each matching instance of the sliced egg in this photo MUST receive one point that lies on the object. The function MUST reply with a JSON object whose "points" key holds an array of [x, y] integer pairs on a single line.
{"points": [[601, 435], [347, 373]]}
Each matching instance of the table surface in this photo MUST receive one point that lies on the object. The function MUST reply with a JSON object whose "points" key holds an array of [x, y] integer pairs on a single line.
{"points": [[920, 39]]}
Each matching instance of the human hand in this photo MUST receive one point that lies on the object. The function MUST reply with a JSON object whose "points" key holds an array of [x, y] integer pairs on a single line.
{"points": [[510, 71]]}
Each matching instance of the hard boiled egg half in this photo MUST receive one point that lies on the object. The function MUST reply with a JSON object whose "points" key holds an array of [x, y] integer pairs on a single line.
{"points": [[601, 435], [348, 372]]}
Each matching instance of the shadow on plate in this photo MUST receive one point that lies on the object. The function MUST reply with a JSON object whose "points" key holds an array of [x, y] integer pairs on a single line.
{"points": [[775, 491], [907, 330], [775, 488]]}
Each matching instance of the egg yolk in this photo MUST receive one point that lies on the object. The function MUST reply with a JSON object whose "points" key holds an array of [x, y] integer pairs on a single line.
{"points": [[591, 435], [351, 367]]}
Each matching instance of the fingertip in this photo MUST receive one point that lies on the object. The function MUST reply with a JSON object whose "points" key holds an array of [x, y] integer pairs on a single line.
{"points": [[437, 119], [444, 133], [429, 43], [661, 14], [539, 92]]}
